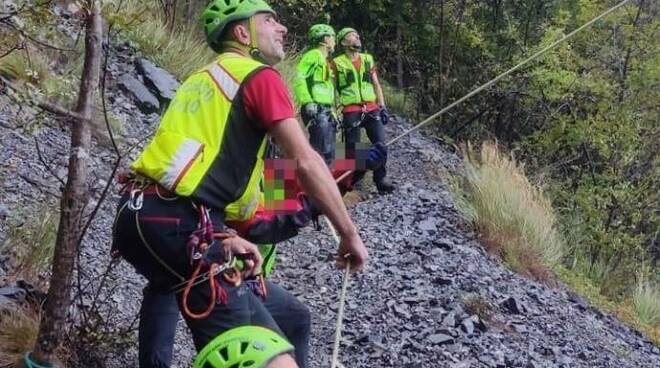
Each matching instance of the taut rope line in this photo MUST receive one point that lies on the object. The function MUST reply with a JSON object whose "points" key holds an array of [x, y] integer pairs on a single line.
{"points": [[340, 314]]}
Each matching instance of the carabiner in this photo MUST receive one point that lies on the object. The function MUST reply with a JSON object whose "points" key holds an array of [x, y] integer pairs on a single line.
{"points": [[135, 199]]}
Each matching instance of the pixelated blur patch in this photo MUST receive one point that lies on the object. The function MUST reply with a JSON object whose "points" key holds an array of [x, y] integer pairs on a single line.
{"points": [[280, 186], [352, 156]]}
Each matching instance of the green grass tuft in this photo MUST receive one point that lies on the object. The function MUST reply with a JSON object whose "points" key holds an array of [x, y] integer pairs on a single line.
{"points": [[30, 245], [182, 51], [512, 215], [646, 300], [19, 66]]}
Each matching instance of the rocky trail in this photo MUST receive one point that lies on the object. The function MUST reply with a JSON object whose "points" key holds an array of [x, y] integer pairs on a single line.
{"points": [[430, 296]]}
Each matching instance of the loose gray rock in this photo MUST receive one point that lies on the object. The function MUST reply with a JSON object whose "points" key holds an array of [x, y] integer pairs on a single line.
{"points": [[145, 101], [15, 293], [513, 305], [440, 339], [467, 326], [160, 81]]}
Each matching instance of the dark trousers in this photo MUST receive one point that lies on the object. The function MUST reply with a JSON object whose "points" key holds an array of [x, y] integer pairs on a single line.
{"points": [[153, 240], [322, 128], [370, 121]]}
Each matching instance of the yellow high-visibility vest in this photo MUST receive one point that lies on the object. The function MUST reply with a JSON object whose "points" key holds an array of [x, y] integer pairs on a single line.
{"points": [[206, 147], [355, 86]]}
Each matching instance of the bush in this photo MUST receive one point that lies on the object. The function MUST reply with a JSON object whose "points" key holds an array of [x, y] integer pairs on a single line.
{"points": [[513, 217], [397, 101]]}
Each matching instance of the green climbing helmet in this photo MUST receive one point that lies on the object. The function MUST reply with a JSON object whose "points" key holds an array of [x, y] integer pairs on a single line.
{"points": [[318, 31], [343, 32], [246, 346], [219, 13]]}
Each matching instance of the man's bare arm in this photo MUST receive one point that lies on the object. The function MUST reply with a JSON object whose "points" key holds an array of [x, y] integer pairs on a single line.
{"points": [[377, 87]]}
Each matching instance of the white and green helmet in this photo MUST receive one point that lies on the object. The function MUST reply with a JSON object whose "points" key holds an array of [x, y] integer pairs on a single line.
{"points": [[219, 13], [343, 32], [246, 346], [318, 31]]}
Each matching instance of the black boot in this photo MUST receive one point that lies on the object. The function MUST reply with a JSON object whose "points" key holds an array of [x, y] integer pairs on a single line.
{"points": [[384, 186]]}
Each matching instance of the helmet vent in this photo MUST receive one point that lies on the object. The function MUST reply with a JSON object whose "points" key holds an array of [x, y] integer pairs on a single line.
{"points": [[244, 346], [215, 8], [248, 363], [224, 353], [229, 11]]}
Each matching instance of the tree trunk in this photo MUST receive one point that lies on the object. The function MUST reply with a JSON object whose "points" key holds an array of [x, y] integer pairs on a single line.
{"points": [[399, 57], [441, 60], [626, 61], [57, 303]]}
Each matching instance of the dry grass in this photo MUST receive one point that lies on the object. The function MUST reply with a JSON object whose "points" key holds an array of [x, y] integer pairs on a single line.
{"points": [[30, 245], [646, 301], [25, 66], [18, 332], [512, 215], [477, 305], [181, 52]]}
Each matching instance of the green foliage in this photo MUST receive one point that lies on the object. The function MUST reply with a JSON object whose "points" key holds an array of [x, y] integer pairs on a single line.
{"points": [[512, 215], [398, 101]]}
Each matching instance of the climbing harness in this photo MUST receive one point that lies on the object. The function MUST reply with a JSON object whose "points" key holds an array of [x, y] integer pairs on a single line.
{"points": [[206, 252]]}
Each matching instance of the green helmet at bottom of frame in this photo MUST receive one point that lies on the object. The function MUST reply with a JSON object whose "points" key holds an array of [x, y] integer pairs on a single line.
{"points": [[246, 346]]}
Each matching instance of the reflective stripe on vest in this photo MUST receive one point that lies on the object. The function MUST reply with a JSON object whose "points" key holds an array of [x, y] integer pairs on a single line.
{"points": [[225, 82], [205, 146], [354, 86]]}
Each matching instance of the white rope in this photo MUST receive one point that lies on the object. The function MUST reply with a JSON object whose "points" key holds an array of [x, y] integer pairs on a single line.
{"points": [[342, 298]]}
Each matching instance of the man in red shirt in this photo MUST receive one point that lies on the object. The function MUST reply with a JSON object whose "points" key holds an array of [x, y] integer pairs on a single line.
{"points": [[361, 96], [201, 171]]}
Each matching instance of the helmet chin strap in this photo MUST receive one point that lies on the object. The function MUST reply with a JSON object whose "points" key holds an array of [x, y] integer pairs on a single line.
{"points": [[254, 51], [252, 48]]}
